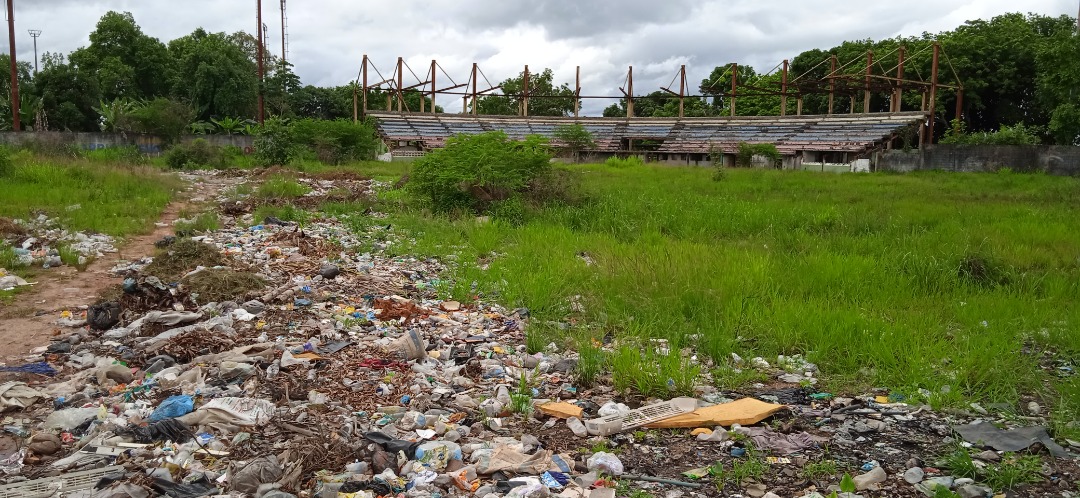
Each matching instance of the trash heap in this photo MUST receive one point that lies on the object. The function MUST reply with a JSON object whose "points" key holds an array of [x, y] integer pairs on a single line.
{"points": [[38, 241], [275, 360]]}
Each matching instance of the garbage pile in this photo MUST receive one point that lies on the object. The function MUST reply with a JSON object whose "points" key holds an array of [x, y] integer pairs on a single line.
{"points": [[275, 360], [38, 241]]}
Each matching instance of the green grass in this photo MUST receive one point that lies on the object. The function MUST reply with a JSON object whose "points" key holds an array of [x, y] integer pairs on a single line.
{"points": [[283, 213], [111, 199], [905, 281], [820, 469], [280, 187], [197, 223]]}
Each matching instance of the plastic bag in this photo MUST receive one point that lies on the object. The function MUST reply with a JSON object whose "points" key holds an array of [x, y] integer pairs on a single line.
{"points": [[606, 463], [70, 418], [172, 407]]}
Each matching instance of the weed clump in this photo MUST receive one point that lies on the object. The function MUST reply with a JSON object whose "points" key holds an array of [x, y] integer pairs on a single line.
{"points": [[474, 172], [182, 257], [222, 285], [981, 271], [7, 167]]}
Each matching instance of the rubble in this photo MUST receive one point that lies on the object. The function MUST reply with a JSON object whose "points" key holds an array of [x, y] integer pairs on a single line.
{"points": [[344, 374]]}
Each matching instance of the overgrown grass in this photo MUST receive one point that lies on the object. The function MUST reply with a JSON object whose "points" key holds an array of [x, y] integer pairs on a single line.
{"points": [[906, 281], [280, 187], [191, 224], [86, 195]]}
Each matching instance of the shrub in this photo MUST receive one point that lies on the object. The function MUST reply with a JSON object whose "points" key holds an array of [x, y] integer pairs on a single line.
{"points": [[574, 139], [474, 171], [168, 119], [1019, 134], [6, 166], [274, 144], [330, 142], [337, 141], [745, 155], [197, 154]]}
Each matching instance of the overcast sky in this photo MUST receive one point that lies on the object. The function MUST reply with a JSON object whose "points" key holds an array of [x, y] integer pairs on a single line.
{"points": [[327, 38]]}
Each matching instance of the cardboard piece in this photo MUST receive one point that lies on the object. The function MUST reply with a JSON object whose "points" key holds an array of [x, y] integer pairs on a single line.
{"points": [[746, 411], [561, 410]]}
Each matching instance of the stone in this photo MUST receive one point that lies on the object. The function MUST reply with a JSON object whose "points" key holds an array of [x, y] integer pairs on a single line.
{"points": [[929, 486], [450, 306], [988, 456], [756, 490], [979, 409], [1034, 408], [973, 491], [914, 475], [868, 426], [254, 307], [329, 272], [864, 481]]}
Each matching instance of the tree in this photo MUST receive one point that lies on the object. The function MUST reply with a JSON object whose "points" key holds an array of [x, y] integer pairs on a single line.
{"points": [[718, 84], [126, 62], [163, 117], [68, 95], [556, 101], [27, 102], [662, 104], [574, 139], [1058, 87], [218, 78], [997, 61]]}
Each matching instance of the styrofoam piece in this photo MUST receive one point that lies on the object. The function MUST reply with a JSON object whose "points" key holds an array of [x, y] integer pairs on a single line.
{"points": [[49, 486], [611, 424]]}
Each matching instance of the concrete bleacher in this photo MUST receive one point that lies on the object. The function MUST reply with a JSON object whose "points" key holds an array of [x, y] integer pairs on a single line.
{"points": [[832, 133]]}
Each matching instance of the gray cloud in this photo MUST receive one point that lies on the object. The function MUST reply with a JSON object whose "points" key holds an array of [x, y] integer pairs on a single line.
{"points": [[329, 37]]}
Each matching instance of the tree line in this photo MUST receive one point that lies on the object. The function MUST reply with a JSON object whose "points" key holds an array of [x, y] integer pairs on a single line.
{"points": [[1016, 69]]}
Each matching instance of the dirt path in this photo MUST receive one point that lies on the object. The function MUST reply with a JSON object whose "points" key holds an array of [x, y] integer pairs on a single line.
{"points": [[30, 320]]}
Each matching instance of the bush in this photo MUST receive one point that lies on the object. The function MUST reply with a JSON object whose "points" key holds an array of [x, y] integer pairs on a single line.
{"points": [[6, 166], [168, 119], [1006, 135], [197, 154], [274, 144], [574, 139], [330, 142], [475, 171], [745, 155], [337, 141]]}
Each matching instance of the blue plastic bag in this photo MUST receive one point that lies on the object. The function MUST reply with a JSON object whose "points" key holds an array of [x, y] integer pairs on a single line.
{"points": [[174, 406]]}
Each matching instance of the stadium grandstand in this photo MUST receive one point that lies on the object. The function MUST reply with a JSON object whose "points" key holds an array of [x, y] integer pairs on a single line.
{"points": [[800, 139]]}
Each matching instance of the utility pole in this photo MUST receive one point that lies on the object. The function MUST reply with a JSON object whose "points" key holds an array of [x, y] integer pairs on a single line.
{"points": [[259, 28], [15, 124], [35, 33]]}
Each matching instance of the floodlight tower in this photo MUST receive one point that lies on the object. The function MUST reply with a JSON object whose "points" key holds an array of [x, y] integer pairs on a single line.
{"points": [[35, 33]]}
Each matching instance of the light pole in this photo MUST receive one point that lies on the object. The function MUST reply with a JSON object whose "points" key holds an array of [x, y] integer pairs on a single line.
{"points": [[35, 33]]}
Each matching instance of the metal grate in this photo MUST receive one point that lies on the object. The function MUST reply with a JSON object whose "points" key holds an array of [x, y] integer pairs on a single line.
{"points": [[68, 482]]}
